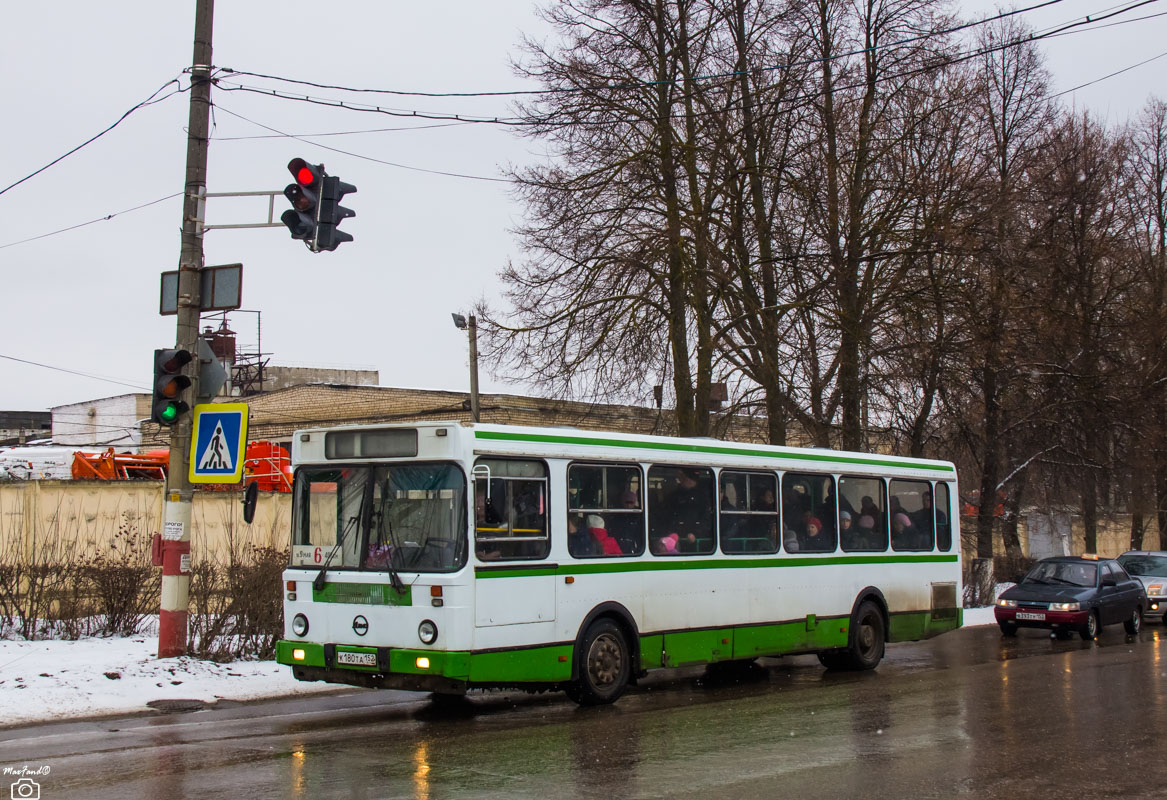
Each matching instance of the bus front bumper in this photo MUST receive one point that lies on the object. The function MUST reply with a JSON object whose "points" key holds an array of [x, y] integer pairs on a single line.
{"points": [[376, 667]]}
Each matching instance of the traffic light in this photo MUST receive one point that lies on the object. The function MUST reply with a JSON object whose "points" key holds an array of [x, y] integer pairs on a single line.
{"points": [[169, 384], [332, 213], [303, 194]]}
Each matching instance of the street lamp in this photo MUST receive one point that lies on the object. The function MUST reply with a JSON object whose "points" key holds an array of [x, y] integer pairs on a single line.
{"points": [[471, 325]]}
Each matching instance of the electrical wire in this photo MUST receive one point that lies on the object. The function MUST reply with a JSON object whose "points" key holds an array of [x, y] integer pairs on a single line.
{"points": [[339, 133], [149, 101], [1111, 75], [1078, 25], [92, 221], [358, 155], [139, 387], [643, 84]]}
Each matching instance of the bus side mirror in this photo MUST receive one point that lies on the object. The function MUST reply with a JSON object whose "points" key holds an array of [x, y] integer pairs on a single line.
{"points": [[250, 498]]}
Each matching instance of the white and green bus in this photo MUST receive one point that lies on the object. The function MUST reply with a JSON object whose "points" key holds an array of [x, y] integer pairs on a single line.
{"points": [[451, 556]]}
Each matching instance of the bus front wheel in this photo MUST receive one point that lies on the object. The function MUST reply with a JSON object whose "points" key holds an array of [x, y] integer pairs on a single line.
{"points": [[603, 665]]}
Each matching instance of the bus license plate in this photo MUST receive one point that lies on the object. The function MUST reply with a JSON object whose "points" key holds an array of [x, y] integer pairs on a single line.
{"points": [[1030, 615], [357, 659]]}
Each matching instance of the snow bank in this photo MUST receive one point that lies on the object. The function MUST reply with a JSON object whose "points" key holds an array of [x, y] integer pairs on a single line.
{"points": [[61, 679]]}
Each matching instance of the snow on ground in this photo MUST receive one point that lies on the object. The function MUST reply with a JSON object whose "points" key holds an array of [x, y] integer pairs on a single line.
{"points": [[55, 679]]}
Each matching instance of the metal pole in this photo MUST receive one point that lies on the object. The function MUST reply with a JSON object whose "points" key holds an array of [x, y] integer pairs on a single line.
{"points": [[177, 508], [473, 325]]}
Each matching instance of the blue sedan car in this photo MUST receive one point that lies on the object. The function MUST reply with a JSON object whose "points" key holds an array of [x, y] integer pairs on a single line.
{"points": [[1072, 593]]}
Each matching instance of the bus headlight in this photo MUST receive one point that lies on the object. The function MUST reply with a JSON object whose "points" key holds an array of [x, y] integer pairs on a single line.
{"points": [[427, 631], [300, 625]]}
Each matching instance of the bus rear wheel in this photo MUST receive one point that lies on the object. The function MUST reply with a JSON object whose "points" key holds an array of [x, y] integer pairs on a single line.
{"points": [[865, 646], [603, 665]]}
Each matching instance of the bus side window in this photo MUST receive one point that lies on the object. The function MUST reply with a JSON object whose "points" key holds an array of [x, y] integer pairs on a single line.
{"points": [[862, 515], [510, 514], [680, 510], [943, 510], [808, 513], [911, 515], [605, 511], [749, 512]]}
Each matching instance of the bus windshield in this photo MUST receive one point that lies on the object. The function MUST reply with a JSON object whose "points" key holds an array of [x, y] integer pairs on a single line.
{"points": [[408, 517]]}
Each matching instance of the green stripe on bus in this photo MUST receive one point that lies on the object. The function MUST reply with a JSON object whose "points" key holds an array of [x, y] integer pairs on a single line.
{"points": [[679, 447], [681, 562], [552, 663], [368, 594]]}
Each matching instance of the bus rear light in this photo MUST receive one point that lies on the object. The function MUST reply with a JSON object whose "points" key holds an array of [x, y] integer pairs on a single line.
{"points": [[423, 663], [298, 654]]}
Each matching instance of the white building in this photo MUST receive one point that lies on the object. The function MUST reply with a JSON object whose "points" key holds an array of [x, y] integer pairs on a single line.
{"points": [[97, 424]]}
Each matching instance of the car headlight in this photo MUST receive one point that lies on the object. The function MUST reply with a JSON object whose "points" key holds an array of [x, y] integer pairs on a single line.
{"points": [[427, 631], [1155, 589], [1065, 606], [1003, 603], [300, 625]]}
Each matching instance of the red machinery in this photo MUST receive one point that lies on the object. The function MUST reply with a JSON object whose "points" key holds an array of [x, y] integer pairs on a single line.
{"points": [[265, 463]]}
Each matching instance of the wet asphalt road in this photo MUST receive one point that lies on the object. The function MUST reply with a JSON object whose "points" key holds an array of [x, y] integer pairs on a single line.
{"points": [[967, 714]]}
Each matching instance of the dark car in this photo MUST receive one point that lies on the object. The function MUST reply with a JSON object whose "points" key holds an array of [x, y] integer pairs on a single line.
{"points": [[1150, 567], [1072, 593]]}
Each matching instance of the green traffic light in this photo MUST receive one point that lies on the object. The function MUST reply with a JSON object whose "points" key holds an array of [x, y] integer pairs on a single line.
{"points": [[170, 413]]}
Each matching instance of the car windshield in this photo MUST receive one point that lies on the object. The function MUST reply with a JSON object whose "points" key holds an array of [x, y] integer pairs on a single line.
{"points": [[1144, 565], [410, 517], [1070, 573]]}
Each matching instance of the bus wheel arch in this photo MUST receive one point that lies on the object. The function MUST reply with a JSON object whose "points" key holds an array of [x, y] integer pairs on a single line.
{"points": [[873, 594], [867, 634], [605, 656]]}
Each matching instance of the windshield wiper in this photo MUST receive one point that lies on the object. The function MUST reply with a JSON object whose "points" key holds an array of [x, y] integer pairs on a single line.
{"points": [[1035, 580], [383, 520], [318, 581]]}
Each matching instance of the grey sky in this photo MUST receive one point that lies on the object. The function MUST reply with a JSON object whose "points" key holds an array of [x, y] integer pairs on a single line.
{"points": [[425, 244]]}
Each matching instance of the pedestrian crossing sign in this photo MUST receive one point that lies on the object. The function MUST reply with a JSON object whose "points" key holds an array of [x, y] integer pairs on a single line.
{"points": [[218, 445]]}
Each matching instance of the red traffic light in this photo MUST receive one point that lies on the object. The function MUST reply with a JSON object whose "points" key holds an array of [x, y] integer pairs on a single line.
{"points": [[307, 175]]}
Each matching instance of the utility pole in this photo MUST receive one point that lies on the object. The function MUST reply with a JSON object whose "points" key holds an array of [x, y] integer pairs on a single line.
{"points": [[474, 369], [172, 628]]}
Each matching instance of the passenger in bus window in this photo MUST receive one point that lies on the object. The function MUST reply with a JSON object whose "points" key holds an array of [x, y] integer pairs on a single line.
{"points": [[579, 539], [606, 545], [903, 535], [767, 502], [692, 515], [666, 545], [867, 539], [922, 519], [815, 540], [846, 532]]}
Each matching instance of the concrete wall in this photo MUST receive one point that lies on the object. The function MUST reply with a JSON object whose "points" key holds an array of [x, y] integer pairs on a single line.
{"points": [[277, 377], [37, 516], [1114, 534]]}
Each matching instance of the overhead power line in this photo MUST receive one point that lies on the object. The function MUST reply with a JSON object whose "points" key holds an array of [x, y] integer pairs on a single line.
{"points": [[641, 84], [1078, 25], [358, 155], [106, 218], [149, 101], [75, 372]]}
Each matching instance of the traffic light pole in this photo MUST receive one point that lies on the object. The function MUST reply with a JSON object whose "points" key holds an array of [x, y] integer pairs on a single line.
{"points": [[172, 623]]}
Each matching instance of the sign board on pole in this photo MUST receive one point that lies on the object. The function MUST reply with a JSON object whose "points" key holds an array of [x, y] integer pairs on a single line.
{"points": [[220, 289], [218, 445]]}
